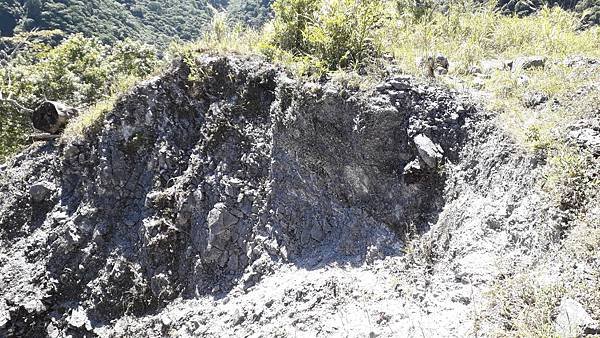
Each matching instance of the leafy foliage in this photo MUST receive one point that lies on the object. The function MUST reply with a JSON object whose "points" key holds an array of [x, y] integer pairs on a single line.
{"points": [[338, 33], [80, 71], [156, 22]]}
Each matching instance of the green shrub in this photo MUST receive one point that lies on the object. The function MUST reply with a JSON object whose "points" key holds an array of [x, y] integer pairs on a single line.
{"points": [[345, 32], [337, 33], [292, 19], [80, 71]]}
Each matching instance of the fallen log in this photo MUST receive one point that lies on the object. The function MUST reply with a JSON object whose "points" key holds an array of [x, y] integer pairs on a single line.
{"points": [[52, 116]]}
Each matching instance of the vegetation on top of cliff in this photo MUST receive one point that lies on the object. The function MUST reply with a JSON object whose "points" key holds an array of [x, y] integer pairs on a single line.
{"points": [[80, 71], [315, 37]]}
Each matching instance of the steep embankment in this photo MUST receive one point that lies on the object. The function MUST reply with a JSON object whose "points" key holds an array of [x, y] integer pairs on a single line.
{"points": [[246, 202]]}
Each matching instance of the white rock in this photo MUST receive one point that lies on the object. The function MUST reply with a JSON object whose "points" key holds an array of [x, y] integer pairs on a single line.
{"points": [[528, 62], [430, 152], [573, 320], [78, 318]]}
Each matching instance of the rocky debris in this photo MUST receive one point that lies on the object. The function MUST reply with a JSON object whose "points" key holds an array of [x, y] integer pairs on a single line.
{"points": [[528, 62], [534, 99], [586, 134], [573, 320]]}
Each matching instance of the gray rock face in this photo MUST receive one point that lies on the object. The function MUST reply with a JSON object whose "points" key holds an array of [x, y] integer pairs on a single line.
{"points": [[528, 62], [190, 188]]}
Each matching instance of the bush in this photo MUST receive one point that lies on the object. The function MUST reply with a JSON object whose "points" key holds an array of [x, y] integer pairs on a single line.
{"points": [[345, 32], [80, 71], [339, 33], [292, 19]]}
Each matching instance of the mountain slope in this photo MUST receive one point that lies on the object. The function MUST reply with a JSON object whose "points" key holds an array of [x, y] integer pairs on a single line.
{"points": [[111, 20]]}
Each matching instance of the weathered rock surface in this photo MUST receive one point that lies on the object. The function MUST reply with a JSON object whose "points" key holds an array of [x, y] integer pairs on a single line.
{"points": [[249, 203]]}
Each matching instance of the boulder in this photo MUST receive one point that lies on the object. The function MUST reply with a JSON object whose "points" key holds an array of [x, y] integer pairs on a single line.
{"points": [[573, 320], [41, 191], [429, 152], [528, 62]]}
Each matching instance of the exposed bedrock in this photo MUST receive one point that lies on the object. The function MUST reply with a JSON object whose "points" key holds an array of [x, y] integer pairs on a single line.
{"points": [[192, 185]]}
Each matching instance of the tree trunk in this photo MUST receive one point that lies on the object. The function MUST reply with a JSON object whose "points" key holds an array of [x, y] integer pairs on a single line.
{"points": [[52, 116]]}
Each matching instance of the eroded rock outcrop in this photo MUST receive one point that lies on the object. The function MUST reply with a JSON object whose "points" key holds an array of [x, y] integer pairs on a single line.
{"points": [[191, 187]]}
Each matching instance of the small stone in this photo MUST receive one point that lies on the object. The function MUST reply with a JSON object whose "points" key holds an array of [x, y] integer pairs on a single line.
{"points": [[488, 66], [475, 70], [237, 213], [441, 71], [165, 320], [317, 233], [399, 85], [412, 168], [51, 330], [383, 87], [528, 62], [478, 82], [238, 317], [533, 99], [522, 80], [78, 318], [442, 62]]}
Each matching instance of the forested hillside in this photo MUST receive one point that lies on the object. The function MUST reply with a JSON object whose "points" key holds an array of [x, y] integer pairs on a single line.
{"points": [[112, 20]]}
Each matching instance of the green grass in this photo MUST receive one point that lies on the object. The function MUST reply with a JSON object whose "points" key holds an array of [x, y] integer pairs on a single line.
{"points": [[468, 36], [91, 119], [522, 307]]}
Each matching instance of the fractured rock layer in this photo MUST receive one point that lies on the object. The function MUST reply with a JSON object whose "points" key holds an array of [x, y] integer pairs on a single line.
{"points": [[190, 188]]}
